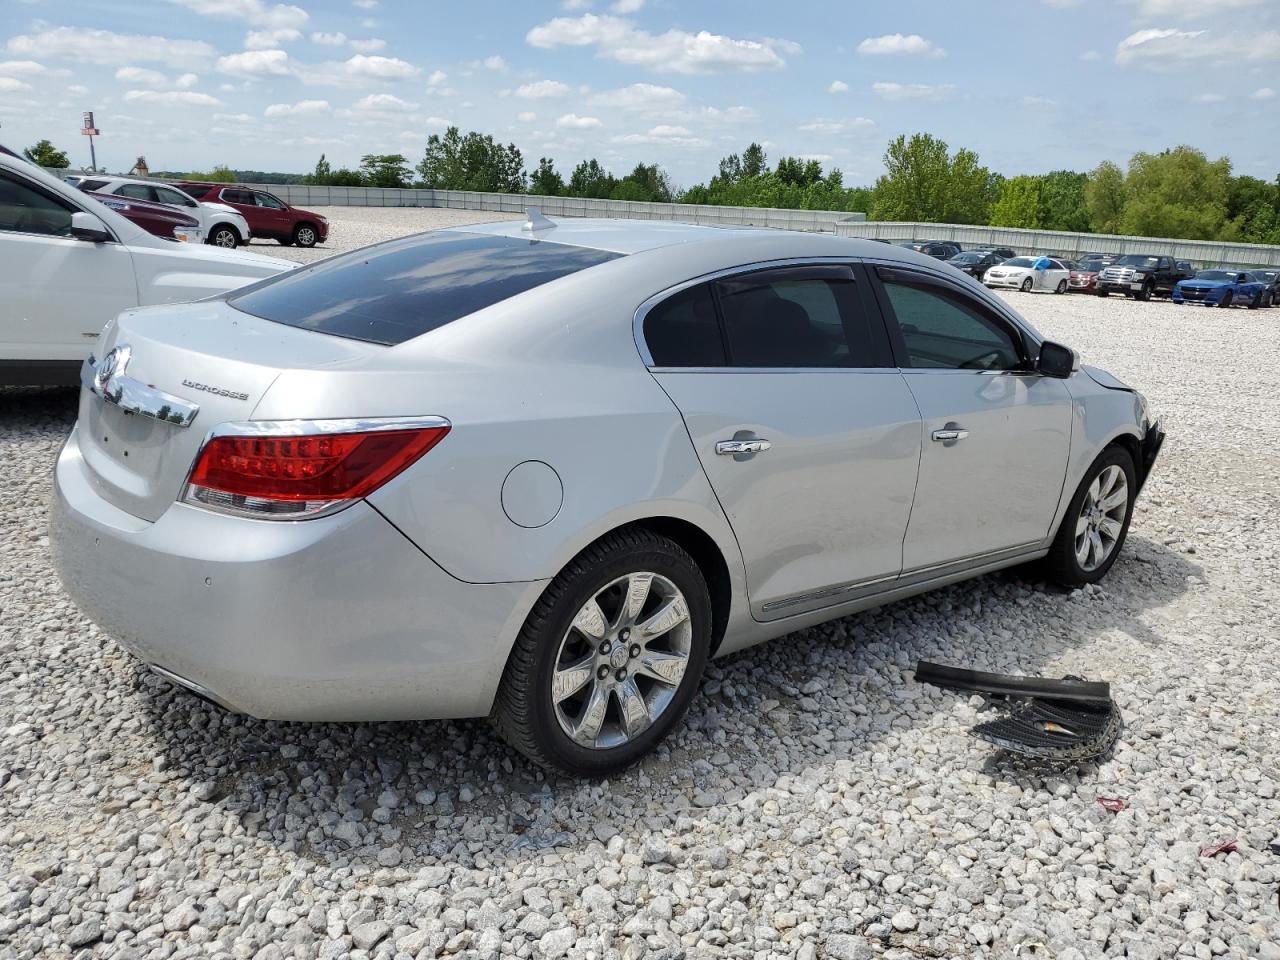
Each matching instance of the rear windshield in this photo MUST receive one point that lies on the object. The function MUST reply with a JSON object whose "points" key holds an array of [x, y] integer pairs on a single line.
{"points": [[399, 290]]}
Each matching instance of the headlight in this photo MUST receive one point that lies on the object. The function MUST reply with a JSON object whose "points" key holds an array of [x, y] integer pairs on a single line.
{"points": [[1144, 406], [1139, 276]]}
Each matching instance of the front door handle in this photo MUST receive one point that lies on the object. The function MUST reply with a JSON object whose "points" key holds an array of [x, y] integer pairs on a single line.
{"points": [[949, 435], [730, 448]]}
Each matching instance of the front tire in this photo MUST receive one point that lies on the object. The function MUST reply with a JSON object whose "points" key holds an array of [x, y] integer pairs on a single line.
{"points": [[1144, 294], [609, 658], [1226, 299], [305, 235], [1026, 285], [225, 237], [1256, 302], [1096, 523]]}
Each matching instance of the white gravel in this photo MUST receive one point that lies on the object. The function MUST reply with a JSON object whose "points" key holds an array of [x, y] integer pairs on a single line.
{"points": [[818, 803]]}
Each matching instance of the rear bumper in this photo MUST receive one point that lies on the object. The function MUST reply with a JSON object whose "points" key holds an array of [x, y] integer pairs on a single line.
{"points": [[338, 618], [1152, 441]]}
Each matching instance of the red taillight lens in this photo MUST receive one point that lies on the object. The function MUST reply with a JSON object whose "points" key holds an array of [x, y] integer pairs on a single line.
{"points": [[287, 475]]}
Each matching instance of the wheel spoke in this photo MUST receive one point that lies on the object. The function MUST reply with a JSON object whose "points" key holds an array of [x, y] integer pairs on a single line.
{"points": [[1099, 551], [670, 615], [638, 585], [1082, 524], [664, 667], [635, 712], [1117, 498], [1083, 545], [1094, 491], [568, 680], [587, 729], [590, 621], [1111, 528]]}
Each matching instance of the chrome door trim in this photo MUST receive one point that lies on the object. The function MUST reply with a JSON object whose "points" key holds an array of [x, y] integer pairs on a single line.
{"points": [[106, 379], [829, 593], [642, 311]]}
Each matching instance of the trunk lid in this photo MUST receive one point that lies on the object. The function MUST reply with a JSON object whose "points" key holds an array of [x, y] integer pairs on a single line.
{"points": [[207, 354]]}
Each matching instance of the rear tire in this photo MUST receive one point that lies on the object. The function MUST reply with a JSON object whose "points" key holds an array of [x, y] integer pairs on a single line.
{"points": [[1089, 539], [1062, 287], [575, 652]]}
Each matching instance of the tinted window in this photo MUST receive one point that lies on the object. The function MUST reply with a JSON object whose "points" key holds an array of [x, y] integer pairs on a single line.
{"points": [[237, 196], [24, 209], [136, 191], [268, 201], [90, 185], [794, 318], [683, 331], [395, 291], [942, 329], [168, 195]]}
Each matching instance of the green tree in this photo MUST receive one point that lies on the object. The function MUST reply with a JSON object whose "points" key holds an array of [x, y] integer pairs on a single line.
{"points": [[1062, 201], [385, 170], [325, 176], [1176, 193], [926, 182], [473, 162], [591, 180], [546, 180], [45, 154], [645, 182], [1104, 197], [1019, 204]]}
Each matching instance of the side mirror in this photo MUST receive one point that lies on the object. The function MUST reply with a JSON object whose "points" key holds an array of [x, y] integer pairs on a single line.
{"points": [[1057, 360], [85, 226]]}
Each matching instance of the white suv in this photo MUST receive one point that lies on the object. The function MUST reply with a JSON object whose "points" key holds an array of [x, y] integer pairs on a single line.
{"points": [[68, 264], [223, 226]]}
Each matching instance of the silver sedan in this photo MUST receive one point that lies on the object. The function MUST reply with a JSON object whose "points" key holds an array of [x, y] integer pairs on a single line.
{"points": [[542, 472]]}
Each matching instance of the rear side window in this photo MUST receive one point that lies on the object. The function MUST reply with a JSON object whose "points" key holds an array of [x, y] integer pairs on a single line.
{"points": [[238, 196], [683, 331], [136, 191], [402, 289]]}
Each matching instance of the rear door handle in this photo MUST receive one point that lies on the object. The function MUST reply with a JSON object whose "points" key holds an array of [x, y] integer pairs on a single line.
{"points": [[949, 435], [729, 448]]}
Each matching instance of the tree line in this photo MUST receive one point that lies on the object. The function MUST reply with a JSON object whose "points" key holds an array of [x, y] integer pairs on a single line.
{"points": [[1178, 192]]}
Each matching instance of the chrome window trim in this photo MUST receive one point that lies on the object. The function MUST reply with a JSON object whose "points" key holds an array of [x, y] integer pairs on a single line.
{"points": [[642, 311]]}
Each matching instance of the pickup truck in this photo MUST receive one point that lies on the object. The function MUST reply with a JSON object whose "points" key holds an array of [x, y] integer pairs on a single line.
{"points": [[1139, 275]]}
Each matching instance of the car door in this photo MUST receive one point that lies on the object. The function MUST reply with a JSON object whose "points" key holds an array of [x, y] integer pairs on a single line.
{"points": [[242, 200], [995, 434], [808, 435], [56, 292], [274, 214]]}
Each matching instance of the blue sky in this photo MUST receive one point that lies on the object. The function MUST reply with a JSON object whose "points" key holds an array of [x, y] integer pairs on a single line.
{"points": [[1031, 86]]}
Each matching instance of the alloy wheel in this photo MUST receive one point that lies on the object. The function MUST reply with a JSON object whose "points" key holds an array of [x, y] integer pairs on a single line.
{"points": [[224, 238], [306, 236], [1102, 516], [621, 661]]}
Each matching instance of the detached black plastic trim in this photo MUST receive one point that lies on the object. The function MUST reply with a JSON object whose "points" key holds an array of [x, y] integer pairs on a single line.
{"points": [[1009, 685], [1151, 444]]}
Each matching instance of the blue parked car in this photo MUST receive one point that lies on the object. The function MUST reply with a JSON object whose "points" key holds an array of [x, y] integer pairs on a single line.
{"points": [[1221, 288]]}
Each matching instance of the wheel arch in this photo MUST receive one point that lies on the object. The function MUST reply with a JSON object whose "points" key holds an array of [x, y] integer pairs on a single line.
{"points": [[226, 223]]}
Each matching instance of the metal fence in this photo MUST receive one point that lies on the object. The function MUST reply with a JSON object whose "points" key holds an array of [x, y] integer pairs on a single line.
{"points": [[1199, 252]]}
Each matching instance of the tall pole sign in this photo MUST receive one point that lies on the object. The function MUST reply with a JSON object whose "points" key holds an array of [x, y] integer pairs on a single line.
{"points": [[90, 131]]}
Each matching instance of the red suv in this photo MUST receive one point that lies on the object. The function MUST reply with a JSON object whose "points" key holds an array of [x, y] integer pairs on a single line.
{"points": [[267, 215]]}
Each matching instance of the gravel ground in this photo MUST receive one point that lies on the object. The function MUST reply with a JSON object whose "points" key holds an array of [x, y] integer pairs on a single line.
{"points": [[818, 803]]}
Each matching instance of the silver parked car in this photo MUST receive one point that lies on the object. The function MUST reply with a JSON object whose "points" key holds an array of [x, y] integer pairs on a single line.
{"points": [[543, 472]]}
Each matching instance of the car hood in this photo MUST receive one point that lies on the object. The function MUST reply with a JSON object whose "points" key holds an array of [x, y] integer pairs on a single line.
{"points": [[1104, 379], [256, 264], [1212, 284], [221, 208]]}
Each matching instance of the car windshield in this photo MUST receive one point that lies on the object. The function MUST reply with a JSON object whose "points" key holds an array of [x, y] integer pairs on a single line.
{"points": [[1019, 262], [404, 288], [966, 258], [1137, 260], [1217, 275]]}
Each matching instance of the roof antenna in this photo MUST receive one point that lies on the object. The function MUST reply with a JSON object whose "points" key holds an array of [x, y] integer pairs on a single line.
{"points": [[536, 221]]}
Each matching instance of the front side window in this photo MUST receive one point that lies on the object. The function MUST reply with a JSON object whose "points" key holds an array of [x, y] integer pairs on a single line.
{"points": [[23, 209], [794, 317], [944, 329], [401, 289], [268, 201]]}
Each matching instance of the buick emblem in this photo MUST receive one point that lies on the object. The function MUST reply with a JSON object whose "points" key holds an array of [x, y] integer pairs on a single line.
{"points": [[116, 359]]}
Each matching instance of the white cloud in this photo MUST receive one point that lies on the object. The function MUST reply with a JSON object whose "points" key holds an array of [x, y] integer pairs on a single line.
{"points": [[172, 98], [526, 116], [1262, 93], [329, 39], [384, 103], [895, 44], [675, 51], [542, 89], [1208, 98], [369, 45], [826, 125], [1171, 49], [186, 81], [106, 47], [255, 63], [1090, 55], [141, 76], [668, 130], [269, 39], [838, 86], [575, 4], [437, 77], [365, 4], [22, 68], [255, 12], [571, 121], [912, 91], [1037, 102], [664, 134], [1190, 9], [11, 85], [639, 96], [626, 6], [1063, 4], [377, 68], [495, 63], [302, 108]]}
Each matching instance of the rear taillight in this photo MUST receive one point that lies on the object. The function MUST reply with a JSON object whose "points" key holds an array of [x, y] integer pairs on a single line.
{"points": [[295, 469]]}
